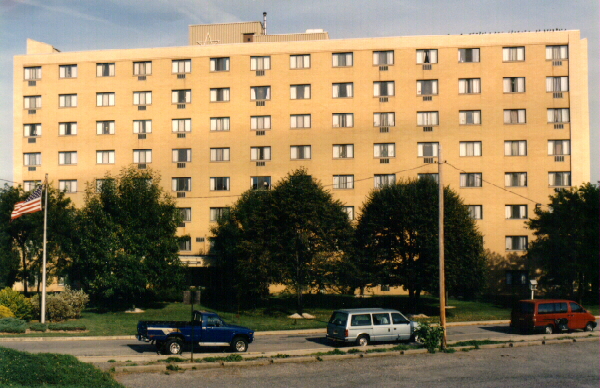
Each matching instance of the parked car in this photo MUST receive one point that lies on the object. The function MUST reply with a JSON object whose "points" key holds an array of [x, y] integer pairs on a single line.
{"points": [[550, 316], [363, 326], [208, 330]]}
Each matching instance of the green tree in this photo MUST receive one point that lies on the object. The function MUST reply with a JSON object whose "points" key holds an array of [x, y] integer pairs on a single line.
{"points": [[126, 242], [566, 244], [397, 238]]}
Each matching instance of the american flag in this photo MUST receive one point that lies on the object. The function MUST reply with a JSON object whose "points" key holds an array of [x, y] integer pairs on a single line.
{"points": [[32, 204]]}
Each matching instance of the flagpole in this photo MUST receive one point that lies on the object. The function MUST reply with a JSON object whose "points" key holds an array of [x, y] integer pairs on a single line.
{"points": [[43, 315]]}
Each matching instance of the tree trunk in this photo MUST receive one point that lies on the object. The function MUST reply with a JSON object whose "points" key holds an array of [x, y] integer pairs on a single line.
{"points": [[24, 264], [299, 301], [581, 287]]}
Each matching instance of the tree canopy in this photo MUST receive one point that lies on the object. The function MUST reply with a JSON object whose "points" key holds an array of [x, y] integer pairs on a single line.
{"points": [[566, 244]]}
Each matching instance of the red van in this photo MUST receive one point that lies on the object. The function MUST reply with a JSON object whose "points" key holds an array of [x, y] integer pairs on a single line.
{"points": [[550, 315]]}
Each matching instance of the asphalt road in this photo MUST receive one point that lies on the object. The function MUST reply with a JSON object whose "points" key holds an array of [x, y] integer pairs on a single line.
{"points": [[564, 365]]}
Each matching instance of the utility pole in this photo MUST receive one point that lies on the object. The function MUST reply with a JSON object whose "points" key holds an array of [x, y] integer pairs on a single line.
{"points": [[441, 247]]}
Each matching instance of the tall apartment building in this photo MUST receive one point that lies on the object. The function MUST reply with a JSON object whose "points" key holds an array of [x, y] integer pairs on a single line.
{"points": [[239, 109]]}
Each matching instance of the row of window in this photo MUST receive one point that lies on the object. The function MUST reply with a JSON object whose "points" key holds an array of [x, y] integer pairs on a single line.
{"points": [[301, 61], [339, 120], [303, 92]]}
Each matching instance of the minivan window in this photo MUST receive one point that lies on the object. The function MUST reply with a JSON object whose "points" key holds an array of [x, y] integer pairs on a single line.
{"points": [[398, 319], [525, 308], [546, 308], [381, 319], [361, 320], [338, 319], [560, 307], [575, 308]]}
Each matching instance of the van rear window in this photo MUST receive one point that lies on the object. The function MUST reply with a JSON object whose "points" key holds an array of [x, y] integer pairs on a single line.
{"points": [[525, 308], [338, 319]]}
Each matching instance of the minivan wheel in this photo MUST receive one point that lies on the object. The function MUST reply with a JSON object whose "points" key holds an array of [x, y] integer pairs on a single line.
{"points": [[362, 340], [549, 329], [589, 327]]}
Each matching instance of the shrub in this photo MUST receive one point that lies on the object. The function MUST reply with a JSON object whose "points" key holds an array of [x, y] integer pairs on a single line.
{"points": [[38, 327], [430, 335], [6, 313], [12, 325], [67, 326], [20, 306], [76, 301], [66, 305]]}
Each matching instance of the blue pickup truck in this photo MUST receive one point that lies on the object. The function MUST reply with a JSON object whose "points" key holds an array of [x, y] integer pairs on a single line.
{"points": [[208, 330]]}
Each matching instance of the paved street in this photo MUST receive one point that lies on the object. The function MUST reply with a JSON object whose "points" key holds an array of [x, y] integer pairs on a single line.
{"points": [[564, 365]]}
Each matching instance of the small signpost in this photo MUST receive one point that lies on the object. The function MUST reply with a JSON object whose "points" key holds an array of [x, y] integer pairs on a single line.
{"points": [[189, 297]]}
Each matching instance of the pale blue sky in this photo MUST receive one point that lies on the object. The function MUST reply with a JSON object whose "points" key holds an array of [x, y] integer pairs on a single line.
{"points": [[82, 25]]}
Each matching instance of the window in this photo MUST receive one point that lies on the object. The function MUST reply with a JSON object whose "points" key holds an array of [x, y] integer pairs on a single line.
{"points": [[343, 90], [219, 123], [67, 71], [515, 212], [142, 156], [514, 116], [32, 159], [470, 148], [260, 153], [427, 87], [427, 150], [381, 180], [142, 126], [384, 150], [559, 147], [219, 154], [32, 130], [181, 125], [182, 155], [105, 157], [384, 119], [343, 181], [182, 66], [217, 212], [557, 52], [513, 54], [260, 63], [383, 57], [515, 148], [300, 61], [142, 68], [343, 120], [514, 84], [515, 179], [435, 177], [219, 95], [469, 85], [300, 152], [516, 243], [517, 277], [300, 121], [342, 59], [469, 55], [101, 182], [299, 92], [68, 186], [142, 98], [32, 73], [427, 56], [105, 99], [260, 122], [32, 102], [31, 185], [350, 211], [219, 64], [186, 214], [67, 129], [472, 179], [69, 157], [181, 96], [185, 243], [105, 127], [383, 88], [469, 117], [105, 69], [343, 151], [181, 184], [260, 182], [557, 84], [219, 183], [475, 211], [559, 178], [260, 93], [560, 115], [426, 119]]}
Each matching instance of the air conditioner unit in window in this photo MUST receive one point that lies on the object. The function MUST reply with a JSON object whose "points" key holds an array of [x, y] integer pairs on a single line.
{"points": [[141, 136], [557, 95], [427, 67], [383, 99], [31, 140], [260, 164], [142, 166], [142, 107], [31, 169], [180, 165], [427, 129], [260, 73], [428, 160], [427, 98], [181, 194], [180, 76], [383, 68], [180, 106], [261, 103], [199, 239], [260, 133], [559, 126], [181, 135], [181, 225], [556, 63], [559, 158], [141, 78], [31, 111], [384, 129], [384, 161], [32, 83]]}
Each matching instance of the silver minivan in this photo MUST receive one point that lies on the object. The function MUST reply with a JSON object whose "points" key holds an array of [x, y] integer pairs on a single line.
{"points": [[362, 326]]}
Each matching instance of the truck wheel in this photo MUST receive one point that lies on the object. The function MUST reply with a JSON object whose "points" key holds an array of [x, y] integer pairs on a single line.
{"points": [[173, 346], [239, 345]]}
